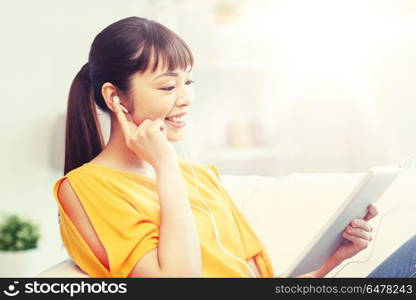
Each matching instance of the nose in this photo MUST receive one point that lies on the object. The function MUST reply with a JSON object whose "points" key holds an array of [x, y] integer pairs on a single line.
{"points": [[185, 96]]}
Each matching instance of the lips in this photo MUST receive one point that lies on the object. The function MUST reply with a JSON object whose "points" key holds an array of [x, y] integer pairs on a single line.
{"points": [[176, 124], [177, 115]]}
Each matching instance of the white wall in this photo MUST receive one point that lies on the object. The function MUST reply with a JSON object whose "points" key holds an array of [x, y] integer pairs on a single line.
{"points": [[331, 84]]}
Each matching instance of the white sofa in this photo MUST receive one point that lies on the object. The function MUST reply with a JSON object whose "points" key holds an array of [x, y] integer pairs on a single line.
{"points": [[66, 268], [287, 212]]}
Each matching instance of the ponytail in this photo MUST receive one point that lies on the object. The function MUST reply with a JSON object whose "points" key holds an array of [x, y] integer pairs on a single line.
{"points": [[83, 137]]}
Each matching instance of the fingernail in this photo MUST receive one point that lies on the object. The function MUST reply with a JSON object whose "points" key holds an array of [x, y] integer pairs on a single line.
{"points": [[116, 99]]}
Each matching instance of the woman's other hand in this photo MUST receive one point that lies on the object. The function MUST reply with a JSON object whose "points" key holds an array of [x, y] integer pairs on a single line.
{"points": [[357, 236]]}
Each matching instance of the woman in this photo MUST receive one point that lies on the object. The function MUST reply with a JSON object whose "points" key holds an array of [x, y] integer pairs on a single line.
{"points": [[129, 208]]}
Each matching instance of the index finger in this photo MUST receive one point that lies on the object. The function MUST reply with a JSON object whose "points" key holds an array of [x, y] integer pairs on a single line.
{"points": [[120, 115]]}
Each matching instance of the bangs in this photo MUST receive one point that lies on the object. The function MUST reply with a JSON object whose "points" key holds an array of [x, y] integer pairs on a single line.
{"points": [[163, 46]]}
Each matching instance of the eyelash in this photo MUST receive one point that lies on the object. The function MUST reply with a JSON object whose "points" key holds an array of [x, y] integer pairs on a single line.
{"points": [[170, 88]]}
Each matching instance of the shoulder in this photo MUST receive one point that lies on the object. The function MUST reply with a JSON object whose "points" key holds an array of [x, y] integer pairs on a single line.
{"points": [[85, 180], [69, 188], [188, 163], [205, 171]]}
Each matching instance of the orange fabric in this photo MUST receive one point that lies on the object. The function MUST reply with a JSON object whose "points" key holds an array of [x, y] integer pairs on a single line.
{"points": [[124, 210]]}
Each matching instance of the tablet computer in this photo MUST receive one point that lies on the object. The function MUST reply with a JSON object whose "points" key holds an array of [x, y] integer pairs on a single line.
{"points": [[369, 190]]}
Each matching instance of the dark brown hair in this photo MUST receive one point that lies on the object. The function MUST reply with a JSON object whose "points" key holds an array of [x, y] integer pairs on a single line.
{"points": [[117, 52]]}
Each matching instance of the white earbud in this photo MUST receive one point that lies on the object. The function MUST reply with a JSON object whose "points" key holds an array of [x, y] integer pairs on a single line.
{"points": [[117, 99]]}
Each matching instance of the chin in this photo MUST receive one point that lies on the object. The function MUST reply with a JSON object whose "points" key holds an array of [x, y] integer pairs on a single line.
{"points": [[174, 137]]}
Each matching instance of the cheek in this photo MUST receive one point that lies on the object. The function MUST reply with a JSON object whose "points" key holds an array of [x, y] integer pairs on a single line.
{"points": [[153, 107], [166, 108], [153, 114]]}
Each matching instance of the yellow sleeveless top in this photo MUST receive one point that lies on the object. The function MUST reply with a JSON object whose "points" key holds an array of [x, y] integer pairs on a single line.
{"points": [[124, 210]]}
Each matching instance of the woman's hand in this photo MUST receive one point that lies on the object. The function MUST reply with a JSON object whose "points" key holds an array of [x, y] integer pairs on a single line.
{"points": [[148, 140], [357, 236]]}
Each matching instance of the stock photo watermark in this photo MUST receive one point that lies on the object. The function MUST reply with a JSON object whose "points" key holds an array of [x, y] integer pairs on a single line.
{"points": [[70, 289]]}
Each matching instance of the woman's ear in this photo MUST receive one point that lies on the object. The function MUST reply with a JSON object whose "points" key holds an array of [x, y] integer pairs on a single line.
{"points": [[108, 91]]}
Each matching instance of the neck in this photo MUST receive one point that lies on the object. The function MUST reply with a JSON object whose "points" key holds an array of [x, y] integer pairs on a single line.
{"points": [[117, 155]]}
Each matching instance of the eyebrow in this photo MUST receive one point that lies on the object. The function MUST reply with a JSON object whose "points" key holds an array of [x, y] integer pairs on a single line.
{"points": [[169, 74]]}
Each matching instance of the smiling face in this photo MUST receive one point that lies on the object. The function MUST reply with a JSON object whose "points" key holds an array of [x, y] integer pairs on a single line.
{"points": [[161, 94]]}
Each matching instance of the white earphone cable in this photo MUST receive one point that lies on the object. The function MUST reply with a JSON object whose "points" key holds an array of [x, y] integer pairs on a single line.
{"points": [[212, 217]]}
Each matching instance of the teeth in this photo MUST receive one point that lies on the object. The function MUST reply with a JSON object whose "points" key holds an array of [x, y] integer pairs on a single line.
{"points": [[177, 119]]}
